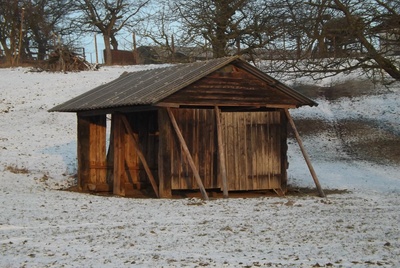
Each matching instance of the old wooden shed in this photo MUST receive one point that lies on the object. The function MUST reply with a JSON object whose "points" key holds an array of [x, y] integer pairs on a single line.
{"points": [[218, 124]]}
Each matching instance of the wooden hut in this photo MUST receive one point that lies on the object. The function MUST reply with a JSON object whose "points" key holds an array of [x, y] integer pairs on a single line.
{"points": [[218, 124]]}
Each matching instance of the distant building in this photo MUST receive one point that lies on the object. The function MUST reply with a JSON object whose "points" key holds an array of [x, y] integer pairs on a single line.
{"points": [[388, 32]]}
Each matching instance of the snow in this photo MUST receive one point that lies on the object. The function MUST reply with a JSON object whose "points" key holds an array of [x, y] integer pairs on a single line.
{"points": [[41, 226]]}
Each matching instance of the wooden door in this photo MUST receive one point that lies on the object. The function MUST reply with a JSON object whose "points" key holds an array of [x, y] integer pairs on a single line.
{"points": [[253, 150]]}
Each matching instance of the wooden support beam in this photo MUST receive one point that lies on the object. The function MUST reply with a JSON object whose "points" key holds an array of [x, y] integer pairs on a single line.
{"points": [[119, 156], [83, 151], [164, 154], [188, 155], [140, 154], [221, 152], [305, 155]]}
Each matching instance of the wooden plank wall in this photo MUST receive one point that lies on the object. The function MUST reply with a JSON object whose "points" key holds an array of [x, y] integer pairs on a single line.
{"points": [[145, 127], [131, 161], [92, 164], [230, 86], [253, 150], [199, 131], [132, 175]]}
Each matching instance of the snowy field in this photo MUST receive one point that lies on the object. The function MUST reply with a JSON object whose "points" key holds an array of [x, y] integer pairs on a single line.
{"points": [[41, 226]]}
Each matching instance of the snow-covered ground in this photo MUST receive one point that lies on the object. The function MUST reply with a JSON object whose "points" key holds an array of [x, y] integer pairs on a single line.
{"points": [[41, 226]]}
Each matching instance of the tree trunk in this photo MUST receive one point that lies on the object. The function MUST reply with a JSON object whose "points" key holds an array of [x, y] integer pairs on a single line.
{"points": [[114, 42], [219, 42], [108, 56], [7, 52], [383, 62], [42, 50]]}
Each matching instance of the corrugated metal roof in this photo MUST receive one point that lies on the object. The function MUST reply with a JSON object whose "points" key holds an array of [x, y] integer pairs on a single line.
{"points": [[151, 86]]}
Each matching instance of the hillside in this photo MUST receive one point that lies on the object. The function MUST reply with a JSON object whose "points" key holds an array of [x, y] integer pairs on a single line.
{"points": [[352, 138]]}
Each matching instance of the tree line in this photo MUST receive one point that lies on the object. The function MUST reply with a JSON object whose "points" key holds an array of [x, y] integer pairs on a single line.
{"points": [[307, 35]]}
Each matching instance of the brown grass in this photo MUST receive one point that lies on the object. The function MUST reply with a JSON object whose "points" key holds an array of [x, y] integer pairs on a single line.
{"points": [[367, 140], [16, 170], [361, 139], [350, 88]]}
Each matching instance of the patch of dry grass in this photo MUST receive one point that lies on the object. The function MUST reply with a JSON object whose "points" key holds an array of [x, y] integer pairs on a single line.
{"points": [[367, 140], [362, 139], [349, 89], [16, 170]]}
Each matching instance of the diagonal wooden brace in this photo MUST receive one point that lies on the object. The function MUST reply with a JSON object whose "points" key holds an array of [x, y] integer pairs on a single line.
{"points": [[140, 154], [305, 155], [188, 155]]}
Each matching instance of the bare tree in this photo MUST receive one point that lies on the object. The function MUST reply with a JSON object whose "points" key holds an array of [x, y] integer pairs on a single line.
{"points": [[28, 27], [344, 35], [226, 24], [159, 29], [374, 15], [10, 29], [44, 20], [109, 18]]}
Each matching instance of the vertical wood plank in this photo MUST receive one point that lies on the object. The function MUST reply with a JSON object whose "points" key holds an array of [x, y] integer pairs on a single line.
{"points": [[241, 148], [98, 151], [284, 147], [119, 159], [110, 160], [83, 151], [165, 155], [235, 151], [221, 153], [131, 160]]}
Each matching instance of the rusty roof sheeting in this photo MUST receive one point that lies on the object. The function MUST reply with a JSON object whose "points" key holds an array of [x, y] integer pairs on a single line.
{"points": [[151, 86]]}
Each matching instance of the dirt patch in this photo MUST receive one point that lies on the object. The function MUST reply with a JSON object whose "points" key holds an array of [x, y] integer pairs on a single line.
{"points": [[368, 140], [291, 191], [296, 191], [310, 126], [350, 88], [361, 139]]}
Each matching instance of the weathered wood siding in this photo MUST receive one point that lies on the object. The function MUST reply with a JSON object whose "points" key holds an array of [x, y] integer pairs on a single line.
{"points": [[253, 150], [92, 164], [145, 131], [145, 128], [230, 86], [255, 157], [198, 129]]}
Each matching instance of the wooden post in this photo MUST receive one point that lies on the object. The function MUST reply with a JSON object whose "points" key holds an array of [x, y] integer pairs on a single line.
{"points": [[140, 154], [119, 156], [221, 153], [188, 155], [164, 154], [83, 151], [305, 155]]}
